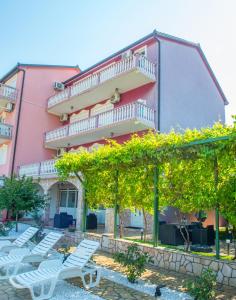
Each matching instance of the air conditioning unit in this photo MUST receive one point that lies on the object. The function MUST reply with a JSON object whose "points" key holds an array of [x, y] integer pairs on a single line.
{"points": [[58, 86], [115, 98], [9, 107], [60, 151], [127, 54], [64, 117]]}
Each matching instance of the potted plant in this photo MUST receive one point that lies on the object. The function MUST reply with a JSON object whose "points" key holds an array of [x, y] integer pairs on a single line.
{"points": [[71, 228], [134, 260]]}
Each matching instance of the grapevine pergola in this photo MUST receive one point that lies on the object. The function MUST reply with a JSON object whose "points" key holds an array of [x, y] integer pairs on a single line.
{"points": [[214, 147]]}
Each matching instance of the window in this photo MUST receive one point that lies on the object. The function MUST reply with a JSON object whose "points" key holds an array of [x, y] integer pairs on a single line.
{"points": [[100, 108], [12, 82], [3, 154], [84, 114], [2, 117], [63, 198], [141, 51], [68, 198], [72, 199]]}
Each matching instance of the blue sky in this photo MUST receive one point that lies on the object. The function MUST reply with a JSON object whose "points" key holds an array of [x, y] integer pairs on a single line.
{"points": [[82, 32]]}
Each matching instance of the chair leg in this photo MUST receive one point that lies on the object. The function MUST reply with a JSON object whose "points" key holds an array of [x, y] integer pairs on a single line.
{"points": [[9, 270], [92, 283], [43, 294]]}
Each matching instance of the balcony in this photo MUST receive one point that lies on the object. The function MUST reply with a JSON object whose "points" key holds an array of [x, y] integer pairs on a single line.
{"points": [[127, 74], [7, 94], [122, 120], [41, 169], [5, 133]]}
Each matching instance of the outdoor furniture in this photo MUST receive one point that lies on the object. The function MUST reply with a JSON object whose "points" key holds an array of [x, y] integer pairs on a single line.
{"points": [[201, 248], [49, 272], [203, 236], [63, 220], [10, 264], [20, 241], [170, 235], [91, 221]]}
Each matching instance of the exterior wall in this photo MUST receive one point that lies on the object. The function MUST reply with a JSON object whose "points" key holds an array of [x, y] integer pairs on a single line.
{"points": [[10, 118], [189, 97], [34, 119], [34, 108]]}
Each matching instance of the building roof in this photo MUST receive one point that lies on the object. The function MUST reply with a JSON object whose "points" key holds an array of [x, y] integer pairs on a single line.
{"points": [[156, 34], [15, 69]]}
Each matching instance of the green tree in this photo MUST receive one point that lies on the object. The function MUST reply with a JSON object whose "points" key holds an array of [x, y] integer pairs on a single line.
{"points": [[20, 195]]}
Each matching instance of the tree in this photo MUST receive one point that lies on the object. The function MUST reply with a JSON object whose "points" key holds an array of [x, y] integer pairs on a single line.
{"points": [[20, 195]]}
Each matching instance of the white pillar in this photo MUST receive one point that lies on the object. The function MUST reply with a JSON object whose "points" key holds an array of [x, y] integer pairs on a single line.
{"points": [[109, 220], [80, 207]]}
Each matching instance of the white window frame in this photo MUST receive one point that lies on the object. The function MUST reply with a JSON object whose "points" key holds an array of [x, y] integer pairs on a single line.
{"points": [[141, 49]]}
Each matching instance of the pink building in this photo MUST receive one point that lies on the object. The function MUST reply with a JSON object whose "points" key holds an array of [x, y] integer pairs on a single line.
{"points": [[158, 82]]}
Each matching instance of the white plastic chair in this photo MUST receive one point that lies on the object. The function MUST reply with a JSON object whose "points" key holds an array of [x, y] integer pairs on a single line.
{"points": [[42, 282], [20, 241], [10, 264]]}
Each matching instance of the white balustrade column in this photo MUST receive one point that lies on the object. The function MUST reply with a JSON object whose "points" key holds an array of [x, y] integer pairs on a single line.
{"points": [[47, 209], [109, 220], [80, 207]]}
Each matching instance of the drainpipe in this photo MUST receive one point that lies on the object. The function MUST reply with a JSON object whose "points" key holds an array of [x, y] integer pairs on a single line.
{"points": [[155, 235], [158, 83], [18, 122]]}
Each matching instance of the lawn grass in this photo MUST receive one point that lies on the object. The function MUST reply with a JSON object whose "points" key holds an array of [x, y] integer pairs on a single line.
{"points": [[211, 255]]}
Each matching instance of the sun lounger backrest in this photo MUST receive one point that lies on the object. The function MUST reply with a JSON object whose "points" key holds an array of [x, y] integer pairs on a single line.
{"points": [[25, 236], [82, 254], [47, 243]]}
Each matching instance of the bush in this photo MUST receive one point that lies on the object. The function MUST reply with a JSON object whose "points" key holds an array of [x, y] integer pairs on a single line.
{"points": [[134, 260], [5, 228], [203, 287]]}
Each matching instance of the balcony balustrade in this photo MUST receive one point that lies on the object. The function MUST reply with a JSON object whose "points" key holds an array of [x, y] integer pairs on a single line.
{"points": [[5, 133], [41, 169], [122, 120], [126, 74], [7, 94]]}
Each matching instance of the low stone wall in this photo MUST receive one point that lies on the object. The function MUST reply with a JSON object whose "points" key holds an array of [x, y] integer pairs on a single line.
{"points": [[168, 259]]}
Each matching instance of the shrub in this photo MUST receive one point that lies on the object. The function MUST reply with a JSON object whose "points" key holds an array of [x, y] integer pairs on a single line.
{"points": [[134, 260], [202, 287], [5, 228]]}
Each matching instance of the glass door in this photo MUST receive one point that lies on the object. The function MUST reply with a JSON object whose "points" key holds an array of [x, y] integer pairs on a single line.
{"points": [[68, 202]]}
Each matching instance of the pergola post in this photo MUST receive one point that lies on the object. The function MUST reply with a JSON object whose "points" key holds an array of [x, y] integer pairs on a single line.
{"points": [[216, 178], [156, 206], [85, 208], [116, 207]]}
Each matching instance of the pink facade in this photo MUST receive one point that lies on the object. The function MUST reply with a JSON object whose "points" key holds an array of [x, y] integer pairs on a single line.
{"points": [[34, 119]]}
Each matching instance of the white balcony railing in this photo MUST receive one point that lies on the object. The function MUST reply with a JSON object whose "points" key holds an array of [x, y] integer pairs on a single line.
{"points": [[5, 131], [8, 92], [113, 70], [41, 169], [135, 110]]}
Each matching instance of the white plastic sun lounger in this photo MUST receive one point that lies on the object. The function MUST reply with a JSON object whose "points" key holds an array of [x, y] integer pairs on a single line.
{"points": [[42, 282], [10, 264], [20, 241]]}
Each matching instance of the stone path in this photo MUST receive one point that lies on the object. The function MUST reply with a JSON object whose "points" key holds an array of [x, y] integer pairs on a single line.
{"points": [[113, 291], [107, 290]]}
